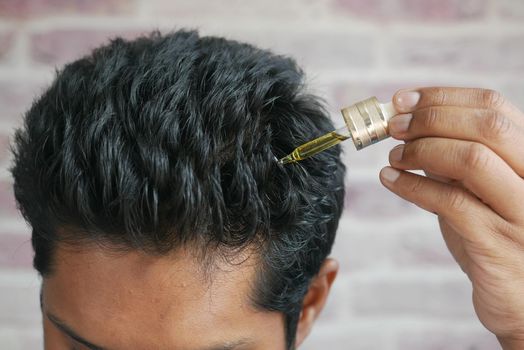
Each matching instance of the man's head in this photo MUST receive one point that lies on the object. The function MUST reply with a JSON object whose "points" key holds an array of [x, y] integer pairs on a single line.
{"points": [[160, 217]]}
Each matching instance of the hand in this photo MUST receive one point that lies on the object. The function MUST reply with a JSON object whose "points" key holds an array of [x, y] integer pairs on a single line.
{"points": [[470, 144]]}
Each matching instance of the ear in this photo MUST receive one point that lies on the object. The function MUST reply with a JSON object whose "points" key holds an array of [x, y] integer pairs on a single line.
{"points": [[315, 298]]}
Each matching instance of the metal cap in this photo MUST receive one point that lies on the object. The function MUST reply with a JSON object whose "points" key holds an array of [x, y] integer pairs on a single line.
{"points": [[367, 122]]}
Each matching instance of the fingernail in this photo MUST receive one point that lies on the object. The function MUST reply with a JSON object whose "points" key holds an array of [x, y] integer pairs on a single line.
{"points": [[389, 175], [396, 153], [399, 124], [407, 100]]}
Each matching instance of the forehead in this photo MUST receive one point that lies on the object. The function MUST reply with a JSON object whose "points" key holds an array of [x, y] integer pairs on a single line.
{"points": [[169, 298]]}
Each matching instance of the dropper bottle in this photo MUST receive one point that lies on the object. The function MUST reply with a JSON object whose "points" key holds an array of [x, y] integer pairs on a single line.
{"points": [[366, 124]]}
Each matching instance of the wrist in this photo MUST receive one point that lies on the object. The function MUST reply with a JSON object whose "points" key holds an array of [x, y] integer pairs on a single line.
{"points": [[512, 343]]}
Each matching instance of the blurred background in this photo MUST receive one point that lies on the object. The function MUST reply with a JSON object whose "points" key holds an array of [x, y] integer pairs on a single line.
{"points": [[399, 287]]}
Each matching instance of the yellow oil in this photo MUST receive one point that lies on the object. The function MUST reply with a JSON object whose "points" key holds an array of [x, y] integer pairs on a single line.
{"points": [[313, 147]]}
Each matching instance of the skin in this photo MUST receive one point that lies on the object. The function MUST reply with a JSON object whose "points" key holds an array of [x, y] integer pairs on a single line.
{"points": [[469, 143], [132, 300]]}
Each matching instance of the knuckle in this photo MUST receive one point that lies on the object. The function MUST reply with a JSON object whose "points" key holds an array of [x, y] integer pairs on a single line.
{"points": [[477, 156], [505, 228], [417, 185], [456, 199], [509, 233], [492, 98], [432, 118], [440, 96], [412, 150], [495, 126]]}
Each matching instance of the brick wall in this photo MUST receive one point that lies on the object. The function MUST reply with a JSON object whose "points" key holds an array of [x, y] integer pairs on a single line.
{"points": [[398, 288]]}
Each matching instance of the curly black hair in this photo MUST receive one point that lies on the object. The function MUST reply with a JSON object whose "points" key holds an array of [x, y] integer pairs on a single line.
{"points": [[171, 139]]}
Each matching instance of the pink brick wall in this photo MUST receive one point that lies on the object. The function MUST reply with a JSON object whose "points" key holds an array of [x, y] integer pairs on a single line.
{"points": [[398, 287]]}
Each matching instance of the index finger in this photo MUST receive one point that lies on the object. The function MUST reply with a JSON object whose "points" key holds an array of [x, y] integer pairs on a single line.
{"points": [[409, 100]]}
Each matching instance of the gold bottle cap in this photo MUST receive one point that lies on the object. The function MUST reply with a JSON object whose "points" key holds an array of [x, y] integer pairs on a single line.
{"points": [[367, 121]]}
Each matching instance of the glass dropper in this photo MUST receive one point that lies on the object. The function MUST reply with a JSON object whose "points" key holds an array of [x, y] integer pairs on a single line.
{"points": [[366, 124], [317, 145]]}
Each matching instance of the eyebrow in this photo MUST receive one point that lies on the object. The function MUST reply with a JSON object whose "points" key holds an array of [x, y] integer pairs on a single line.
{"points": [[229, 346], [67, 330]]}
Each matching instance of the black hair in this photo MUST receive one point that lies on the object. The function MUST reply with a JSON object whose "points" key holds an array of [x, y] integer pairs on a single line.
{"points": [[171, 139]]}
